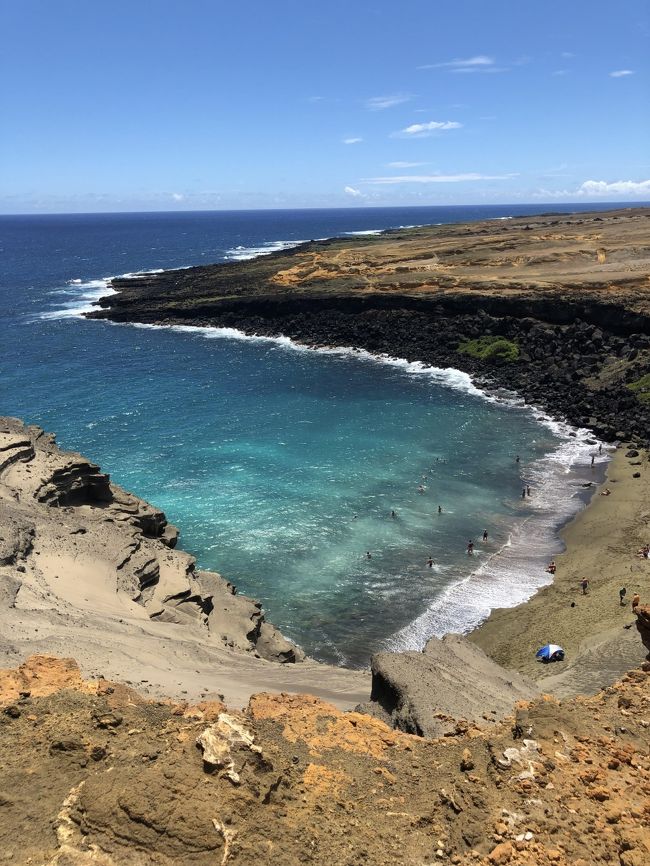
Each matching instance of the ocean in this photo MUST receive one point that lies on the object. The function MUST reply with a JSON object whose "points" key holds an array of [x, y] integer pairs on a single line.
{"points": [[282, 465]]}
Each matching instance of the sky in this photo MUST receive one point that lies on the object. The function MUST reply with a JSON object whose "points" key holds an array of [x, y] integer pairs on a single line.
{"points": [[134, 105]]}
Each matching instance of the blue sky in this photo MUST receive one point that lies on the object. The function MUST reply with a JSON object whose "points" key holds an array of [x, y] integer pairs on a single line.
{"points": [[202, 104]]}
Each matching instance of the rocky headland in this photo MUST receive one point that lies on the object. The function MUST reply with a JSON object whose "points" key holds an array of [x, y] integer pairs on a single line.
{"points": [[553, 307]]}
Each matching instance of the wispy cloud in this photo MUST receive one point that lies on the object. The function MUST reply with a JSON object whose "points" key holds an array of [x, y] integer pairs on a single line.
{"points": [[351, 191], [402, 164], [178, 196], [422, 130], [602, 187], [479, 63], [621, 73], [379, 103], [437, 178], [352, 140]]}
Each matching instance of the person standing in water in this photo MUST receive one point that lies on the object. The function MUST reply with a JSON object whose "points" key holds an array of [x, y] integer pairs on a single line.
{"points": [[470, 547], [430, 562], [485, 535], [368, 555], [440, 509], [517, 459]]}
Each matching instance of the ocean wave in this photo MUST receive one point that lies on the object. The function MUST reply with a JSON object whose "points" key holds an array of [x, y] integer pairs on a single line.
{"points": [[84, 295], [83, 298], [241, 254], [515, 571]]}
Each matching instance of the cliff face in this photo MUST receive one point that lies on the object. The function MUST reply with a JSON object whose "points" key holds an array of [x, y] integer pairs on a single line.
{"points": [[643, 625], [90, 773], [571, 291], [74, 544]]}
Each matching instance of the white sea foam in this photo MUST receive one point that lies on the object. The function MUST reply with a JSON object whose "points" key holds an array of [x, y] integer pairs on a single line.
{"points": [[241, 254], [83, 298], [515, 571]]}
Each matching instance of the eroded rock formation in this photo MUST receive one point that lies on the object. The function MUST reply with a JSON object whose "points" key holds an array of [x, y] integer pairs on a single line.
{"points": [[452, 682], [73, 540]]}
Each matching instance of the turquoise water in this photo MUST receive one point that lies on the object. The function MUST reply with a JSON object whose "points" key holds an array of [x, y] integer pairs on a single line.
{"points": [[281, 465]]}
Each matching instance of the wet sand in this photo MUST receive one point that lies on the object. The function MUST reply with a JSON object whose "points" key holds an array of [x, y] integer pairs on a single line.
{"points": [[597, 633]]}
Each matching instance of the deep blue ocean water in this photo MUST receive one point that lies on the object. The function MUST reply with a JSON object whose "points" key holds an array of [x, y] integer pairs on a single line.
{"points": [[282, 465]]}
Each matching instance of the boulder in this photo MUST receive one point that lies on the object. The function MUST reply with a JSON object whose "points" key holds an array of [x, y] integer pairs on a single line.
{"points": [[426, 693]]}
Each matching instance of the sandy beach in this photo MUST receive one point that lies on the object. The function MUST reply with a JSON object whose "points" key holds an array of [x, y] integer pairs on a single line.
{"points": [[596, 631]]}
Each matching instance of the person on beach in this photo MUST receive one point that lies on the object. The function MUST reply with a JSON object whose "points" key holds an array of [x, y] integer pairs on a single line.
{"points": [[551, 567], [470, 547], [430, 562], [644, 552], [593, 459], [621, 595], [485, 535], [606, 492], [584, 583], [636, 601]]}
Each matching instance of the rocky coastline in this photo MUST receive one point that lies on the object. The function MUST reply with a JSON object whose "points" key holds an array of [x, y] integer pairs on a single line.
{"points": [[578, 315]]}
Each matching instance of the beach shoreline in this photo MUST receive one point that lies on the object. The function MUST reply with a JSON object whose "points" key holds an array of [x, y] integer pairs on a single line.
{"points": [[596, 631]]}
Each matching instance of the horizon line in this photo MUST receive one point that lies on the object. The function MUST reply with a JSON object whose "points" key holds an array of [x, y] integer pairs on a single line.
{"points": [[627, 205]]}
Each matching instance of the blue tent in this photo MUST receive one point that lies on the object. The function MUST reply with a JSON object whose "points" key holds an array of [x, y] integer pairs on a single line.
{"points": [[550, 653]]}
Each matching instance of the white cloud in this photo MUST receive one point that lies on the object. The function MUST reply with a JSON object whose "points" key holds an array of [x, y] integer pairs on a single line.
{"points": [[480, 61], [621, 73], [355, 193], [401, 164], [422, 130], [602, 187], [177, 196], [437, 178], [379, 103], [352, 140]]}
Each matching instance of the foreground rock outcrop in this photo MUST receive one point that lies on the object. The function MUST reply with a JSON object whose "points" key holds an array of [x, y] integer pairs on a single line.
{"points": [[91, 773], [428, 692]]}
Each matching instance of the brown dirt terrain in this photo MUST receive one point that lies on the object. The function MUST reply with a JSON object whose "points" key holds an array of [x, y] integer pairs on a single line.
{"points": [[91, 773]]}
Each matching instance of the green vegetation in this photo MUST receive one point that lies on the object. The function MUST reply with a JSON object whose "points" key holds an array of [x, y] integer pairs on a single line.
{"points": [[641, 388], [490, 349]]}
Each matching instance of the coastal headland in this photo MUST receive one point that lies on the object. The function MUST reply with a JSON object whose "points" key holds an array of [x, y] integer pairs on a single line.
{"points": [[554, 307]]}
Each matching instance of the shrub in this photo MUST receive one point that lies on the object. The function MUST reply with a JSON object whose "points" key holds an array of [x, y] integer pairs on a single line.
{"points": [[641, 388], [490, 349]]}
